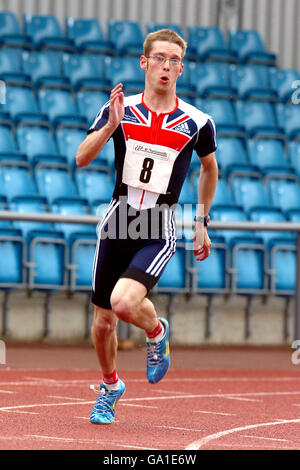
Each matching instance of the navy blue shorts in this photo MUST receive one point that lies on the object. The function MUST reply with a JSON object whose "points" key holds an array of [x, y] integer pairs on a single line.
{"points": [[132, 244]]}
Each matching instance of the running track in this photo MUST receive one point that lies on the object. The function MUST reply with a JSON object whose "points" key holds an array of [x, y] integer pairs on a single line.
{"points": [[211, 398]]}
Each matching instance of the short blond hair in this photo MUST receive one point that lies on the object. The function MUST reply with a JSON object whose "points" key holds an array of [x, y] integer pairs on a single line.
{"points": [[164, 35]]}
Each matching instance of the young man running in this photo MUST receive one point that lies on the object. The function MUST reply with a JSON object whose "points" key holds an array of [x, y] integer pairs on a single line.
{"points": [[154, 136]]}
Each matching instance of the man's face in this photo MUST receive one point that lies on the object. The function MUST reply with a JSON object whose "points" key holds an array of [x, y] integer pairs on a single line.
{"points": [[162, 74]]}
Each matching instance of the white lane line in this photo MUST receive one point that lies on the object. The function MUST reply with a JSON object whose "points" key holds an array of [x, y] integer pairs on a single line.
{"points": [[6, 391], [138, 406], [214, 413], [266, 438], [241, 399], [65, 398], [196, 445], [21, 412]]}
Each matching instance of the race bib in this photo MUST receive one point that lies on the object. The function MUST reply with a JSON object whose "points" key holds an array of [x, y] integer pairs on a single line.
{"points": [[148, 166]]}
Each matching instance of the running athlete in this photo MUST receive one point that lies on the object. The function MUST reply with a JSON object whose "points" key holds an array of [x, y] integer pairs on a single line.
{"points": [[154, 136]]}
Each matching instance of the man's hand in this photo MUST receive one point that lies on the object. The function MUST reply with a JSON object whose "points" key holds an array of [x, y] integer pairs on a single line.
{"points": [[116, 108], [201, 242]]}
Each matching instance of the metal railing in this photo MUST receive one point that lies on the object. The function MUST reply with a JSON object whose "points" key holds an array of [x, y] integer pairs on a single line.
{"points": [[214, 225]]}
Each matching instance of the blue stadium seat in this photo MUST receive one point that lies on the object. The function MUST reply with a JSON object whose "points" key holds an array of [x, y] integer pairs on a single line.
{"points": [[20, 101], [288, 116], [10, 31], [7, 137], [16, 179], [126, 36], [283, 267], [268, 155], [188, 193], [47, 261], [71, 206], [294, 156], [211, 80], [29, 204], [282, 81], [223, 194], [250, 47], [152, 27], [57, 104], [248, 261], [248, 190], [265, 215], [211, 275], [174, 277], [3, 206], [89, 103], [85, 71], [68, 140], [46, 33], [231, 151], [36, 140], [41, 66], [229, 214], [54, 181], [257, 117], [208, 43], [9, 62], [87, 35], [94, 184], [284, 192], [82, 253], [223, 113], [12, 251], [126, 70], [252, 82]]}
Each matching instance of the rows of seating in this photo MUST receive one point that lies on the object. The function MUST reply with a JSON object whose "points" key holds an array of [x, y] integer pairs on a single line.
{"points": [[55, 83]]}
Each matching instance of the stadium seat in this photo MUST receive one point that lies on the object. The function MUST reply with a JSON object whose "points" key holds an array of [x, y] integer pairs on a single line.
{"points": [[16, 179], [284, 191], [174, 277], [82, 253], [188, 194], [85, 71], [250, 47], [223, 194], [36, 139], [68, 140], [126, 70], [7, 138], [71, 206], [265, 215], [12, 251], [228, 214], [208, 44], [151, 27], [294, 156], [248, 190], [90, 102], [20, 101], [211, 80], [41, 66], [252, 82], [54, 182], [268, 155], [46, 33], [9, 62], [288, 116], [58, 104], [282, 81], [30, 204], [283, 267], [94, 184], [88, 36], [231, 151], [47, 260], [126, 36], [223, 113], [258, 118], [3, 206], [11, 32]]}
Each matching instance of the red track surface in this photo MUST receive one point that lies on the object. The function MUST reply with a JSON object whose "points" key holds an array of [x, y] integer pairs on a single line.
{"points": [[211, 398]]}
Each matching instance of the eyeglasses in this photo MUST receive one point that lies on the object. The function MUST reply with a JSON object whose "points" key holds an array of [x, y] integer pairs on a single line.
{"points": [[160, 60]]}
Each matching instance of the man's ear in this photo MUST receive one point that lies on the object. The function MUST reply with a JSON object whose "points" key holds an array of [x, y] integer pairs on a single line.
{"points": [[143, 62]]}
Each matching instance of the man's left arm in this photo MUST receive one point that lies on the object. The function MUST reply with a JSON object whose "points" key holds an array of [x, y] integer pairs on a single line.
{"points": [[208, 180]]}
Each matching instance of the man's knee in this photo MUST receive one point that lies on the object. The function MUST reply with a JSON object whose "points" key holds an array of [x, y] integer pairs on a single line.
{"points": [[104, 322], [123, 306]]}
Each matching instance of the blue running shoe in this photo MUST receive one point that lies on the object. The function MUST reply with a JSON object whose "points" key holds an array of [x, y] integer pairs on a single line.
{"points": [[103, 411], [158, 356]]}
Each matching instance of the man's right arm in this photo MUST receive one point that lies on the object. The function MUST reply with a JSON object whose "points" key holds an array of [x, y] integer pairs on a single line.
{"points": [[92, 145]]}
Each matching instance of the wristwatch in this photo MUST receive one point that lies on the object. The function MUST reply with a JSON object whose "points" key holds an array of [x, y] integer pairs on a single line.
{"points": [[205, 220]]}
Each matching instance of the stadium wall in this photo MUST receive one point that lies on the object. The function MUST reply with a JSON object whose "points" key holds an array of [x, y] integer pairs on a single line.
{"points": [[277, 20]]}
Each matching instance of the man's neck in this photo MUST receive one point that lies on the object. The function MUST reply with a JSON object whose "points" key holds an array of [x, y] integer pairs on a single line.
{"points": [[160, 103]]}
